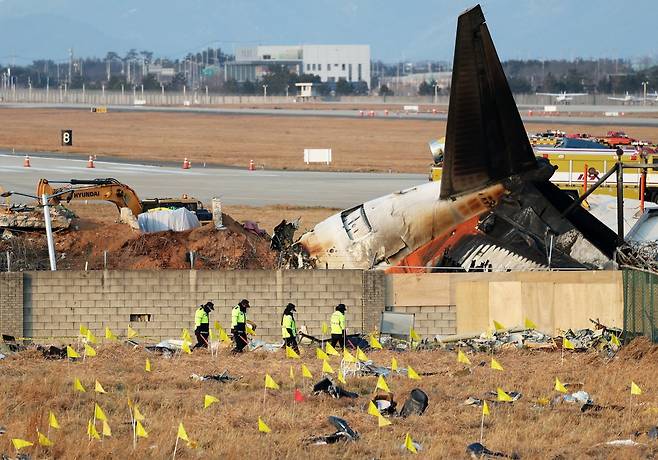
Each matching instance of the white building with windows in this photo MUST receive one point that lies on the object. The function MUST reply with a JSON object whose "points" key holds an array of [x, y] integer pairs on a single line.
{"points": [[329, 62]]}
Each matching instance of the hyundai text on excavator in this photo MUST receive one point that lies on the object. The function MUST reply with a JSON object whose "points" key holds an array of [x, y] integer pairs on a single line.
{"points": [[120, 194]]}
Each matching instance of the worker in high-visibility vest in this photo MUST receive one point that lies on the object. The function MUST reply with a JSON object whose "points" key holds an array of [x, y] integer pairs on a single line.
{"points": [[239, 324], [338, 326], [289, 327], [202, 324]]}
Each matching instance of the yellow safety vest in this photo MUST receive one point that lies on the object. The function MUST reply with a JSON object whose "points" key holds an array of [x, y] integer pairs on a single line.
{"points": [[200, 317], [288, 323], [337, 322], [237, 317]]}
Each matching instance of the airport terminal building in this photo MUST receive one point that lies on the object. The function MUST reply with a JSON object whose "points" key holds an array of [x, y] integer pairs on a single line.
{"points": [[329, 62]]}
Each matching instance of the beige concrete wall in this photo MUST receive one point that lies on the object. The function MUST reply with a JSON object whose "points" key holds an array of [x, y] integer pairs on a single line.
{"points": [[11, 304]]}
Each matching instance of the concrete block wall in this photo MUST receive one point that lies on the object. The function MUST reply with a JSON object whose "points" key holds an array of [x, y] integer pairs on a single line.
{"points": [[11, 304], [430, 320]]}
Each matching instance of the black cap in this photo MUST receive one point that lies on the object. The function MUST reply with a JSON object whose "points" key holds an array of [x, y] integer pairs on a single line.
{"points": [[210, 305], [341, 307], [244, 303], [291, 307]]}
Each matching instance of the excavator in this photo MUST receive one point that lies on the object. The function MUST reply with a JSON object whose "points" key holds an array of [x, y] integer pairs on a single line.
{"points": [[120, 194]]}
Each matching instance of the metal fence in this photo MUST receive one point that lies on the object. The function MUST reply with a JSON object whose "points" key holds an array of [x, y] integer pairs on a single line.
{"points": [[640, 292]]}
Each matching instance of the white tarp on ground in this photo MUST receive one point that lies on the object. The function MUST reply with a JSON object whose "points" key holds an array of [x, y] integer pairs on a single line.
{"points": [[160, 221]]}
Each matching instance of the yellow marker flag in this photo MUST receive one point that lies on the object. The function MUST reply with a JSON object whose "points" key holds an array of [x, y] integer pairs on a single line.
{"points": [[209, 400], [374, 343], [306, 373], [325, 329], [394, 364], [530, 324], [498, 326], [372, 409], [413, 335], [98, 413], [140, 431], [635, 390], [186, 348], [502, 396], [109, 335], [412, 374], [83, 330], [107, 431], [496, 365], [222, 336], [91, 431], [250, 330], [567, 345], [89, 351], [382, 385], [91, 337], [98, 388], [147, 367], [489, 334], [326, 367], [321, 354], [615, 340], [77, 385], [262, 426], [52, 420], [71, 353], [20, 443], [485, 408], [290, 353], [182, 434], [349, 357], [292, 374], [341, 378], [462, 358], [132, 332], [360, 355], [137, 415], [331, 350], [217, 326], [44, 441], [382, 421], [185, 335], [212, 335], [559, 387], [270, 383], [409, 444]]}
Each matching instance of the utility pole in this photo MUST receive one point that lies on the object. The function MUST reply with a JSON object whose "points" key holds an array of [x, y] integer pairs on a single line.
{"points": [[644, 99], [70, 65], [264, 92]]}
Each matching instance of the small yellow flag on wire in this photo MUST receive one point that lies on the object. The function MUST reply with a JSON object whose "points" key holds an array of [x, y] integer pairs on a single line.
{"points": [[412, 374], [348, 357], [91, 337], [529, 324], [462, 358], [495, 365], [109, 335], [372, 409], [20, 443], [485, 408], [382, 385], [223, 336], [325, 329], [292, 374], [635, 390], [567, 345], [98, 388], [52, 420], [341, 378], [147, 367], [262, 426], [321, 354], [559, 387], [360, 355], [140, 431], [44, 441], [413, 335], [186, 348], [182, 434], [394, 364], [615, 340], [89, 351], [77, 385], [306, 373], [326, 367], [92, 431], [498, 326], [208, 400], [107, 431], [374, 343], [290, 353], [250, 330], [98, 413], [270, 383], [330, 350], [71, 353], [83, 330], [185, 335], [502, 396], [137, 415], [409, 444], [383, 421], [132, 332]]}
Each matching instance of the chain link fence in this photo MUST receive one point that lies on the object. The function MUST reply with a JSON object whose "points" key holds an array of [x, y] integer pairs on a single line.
{"points": [[640, 292]]}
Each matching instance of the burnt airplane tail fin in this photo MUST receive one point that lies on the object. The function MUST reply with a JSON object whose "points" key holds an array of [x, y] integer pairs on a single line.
{"points": [[486, 141]]}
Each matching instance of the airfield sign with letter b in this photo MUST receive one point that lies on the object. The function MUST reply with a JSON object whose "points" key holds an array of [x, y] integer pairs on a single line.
{"points": [[67, 137]]}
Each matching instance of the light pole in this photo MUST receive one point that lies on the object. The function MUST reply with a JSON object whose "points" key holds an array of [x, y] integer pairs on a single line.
{"points": [[436, 92], [264, 92], [46, 218], [644, 85]]}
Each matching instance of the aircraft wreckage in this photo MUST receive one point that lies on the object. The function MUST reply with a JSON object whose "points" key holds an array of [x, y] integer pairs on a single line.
{"points": [[494, 208]]}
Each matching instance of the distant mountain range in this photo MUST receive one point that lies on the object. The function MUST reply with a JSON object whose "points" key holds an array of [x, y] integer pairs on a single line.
{"points": [[415, 30]]}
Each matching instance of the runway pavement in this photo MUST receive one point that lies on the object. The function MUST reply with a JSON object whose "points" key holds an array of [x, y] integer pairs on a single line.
{"points": [[234, 186]]}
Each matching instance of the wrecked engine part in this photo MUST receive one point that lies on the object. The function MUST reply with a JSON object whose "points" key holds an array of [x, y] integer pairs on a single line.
{"points": [[415, 404], [333, 390], [343, 433]]}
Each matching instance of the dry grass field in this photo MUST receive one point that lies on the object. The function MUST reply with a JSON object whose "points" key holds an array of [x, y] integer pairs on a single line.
{"points": [[369, 144], [32, 386]]}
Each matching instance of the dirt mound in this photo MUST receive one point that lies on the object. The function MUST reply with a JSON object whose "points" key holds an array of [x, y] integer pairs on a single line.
{"points": [[639, 348]]}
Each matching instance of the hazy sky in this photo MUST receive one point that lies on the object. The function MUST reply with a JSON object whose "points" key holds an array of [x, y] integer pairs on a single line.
{"points": [[410, 30]]}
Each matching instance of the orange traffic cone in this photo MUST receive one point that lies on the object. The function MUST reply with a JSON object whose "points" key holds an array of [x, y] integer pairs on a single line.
{"points": [[90, 162], [252, 167], [186, 164], [26, 162]]}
